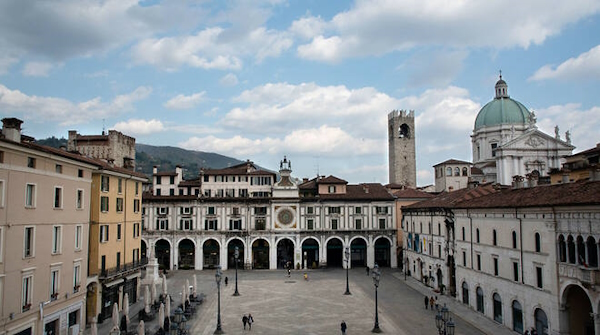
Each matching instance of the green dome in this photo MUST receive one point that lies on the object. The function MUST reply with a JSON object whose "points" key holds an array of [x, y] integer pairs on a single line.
{"points": [[502, 110]]}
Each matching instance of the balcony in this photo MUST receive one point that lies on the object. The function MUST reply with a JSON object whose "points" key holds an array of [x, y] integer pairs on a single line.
{"points": [[587, 276], [124, 269]]}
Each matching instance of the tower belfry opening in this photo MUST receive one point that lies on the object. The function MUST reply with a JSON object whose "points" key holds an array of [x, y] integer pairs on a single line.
{"points": [[402, 152]]}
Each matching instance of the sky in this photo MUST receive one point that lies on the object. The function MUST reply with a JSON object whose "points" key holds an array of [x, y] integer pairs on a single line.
{"points": [[311, 80]]}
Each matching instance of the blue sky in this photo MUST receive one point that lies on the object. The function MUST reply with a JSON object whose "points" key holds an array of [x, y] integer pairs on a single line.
{"points": [[313, 80]]}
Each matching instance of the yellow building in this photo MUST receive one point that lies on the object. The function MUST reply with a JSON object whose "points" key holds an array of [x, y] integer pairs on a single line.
{"points": [[579, 166]]}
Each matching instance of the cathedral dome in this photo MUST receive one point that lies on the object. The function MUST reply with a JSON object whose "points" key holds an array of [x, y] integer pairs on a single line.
{"points": [[502, 110]]}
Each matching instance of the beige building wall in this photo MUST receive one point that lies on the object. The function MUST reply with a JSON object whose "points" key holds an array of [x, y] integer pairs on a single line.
{"points": [[59, 240]]}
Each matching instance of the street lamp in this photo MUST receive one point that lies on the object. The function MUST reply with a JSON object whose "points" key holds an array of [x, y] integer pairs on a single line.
{"points": [[376, 274], [444, 322], [218, 276], [236, 255], [347, 253]]}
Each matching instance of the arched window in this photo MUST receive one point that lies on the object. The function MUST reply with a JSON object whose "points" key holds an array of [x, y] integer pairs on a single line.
{"points": [[497, 308], [571, 249], [494, 237], [480, 308], [581, 250], [538, 242], [514, 239], [404, 131], [449, 172], [517, 316], [477, 235], [592, 252], [465, 172], [463, 233], [457, 172], [562, 249], [465, 293], [541, 321]]}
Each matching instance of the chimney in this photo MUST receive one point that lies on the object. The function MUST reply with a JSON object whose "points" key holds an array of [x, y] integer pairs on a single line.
{"points": [[154, 169], [517, 181], [565, 178], [11, 129], [304, 180]]}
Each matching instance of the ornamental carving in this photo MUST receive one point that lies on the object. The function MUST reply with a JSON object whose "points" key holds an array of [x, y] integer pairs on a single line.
{"points": [[534, 141]]}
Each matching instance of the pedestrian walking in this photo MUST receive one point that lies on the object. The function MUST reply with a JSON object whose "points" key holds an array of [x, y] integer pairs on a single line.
{"points": [[226, 280], [437, 305], [343, 327], [250, 321], [245, 320], [526, 332], [426, 301], [533, 331], [431, 302], [289, 273]]}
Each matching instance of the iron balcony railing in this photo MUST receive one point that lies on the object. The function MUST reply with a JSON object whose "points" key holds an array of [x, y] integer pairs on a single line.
{"points": [[123, 269]]}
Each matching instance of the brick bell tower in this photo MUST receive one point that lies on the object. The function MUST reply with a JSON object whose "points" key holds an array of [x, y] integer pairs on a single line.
{"points": [[402, 152]]}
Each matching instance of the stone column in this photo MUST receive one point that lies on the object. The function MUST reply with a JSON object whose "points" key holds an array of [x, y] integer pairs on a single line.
{"points": [[370, 252], [198, 256], [223, 254], [272, 254]]}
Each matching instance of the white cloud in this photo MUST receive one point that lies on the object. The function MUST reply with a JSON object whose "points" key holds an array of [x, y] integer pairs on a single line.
{"points": [[583, 124], [308, 27], [37, 69], [375, 27], [6, 62], [63, 111], [584, 66], [139, 127], [185, 102], [229, 79]]}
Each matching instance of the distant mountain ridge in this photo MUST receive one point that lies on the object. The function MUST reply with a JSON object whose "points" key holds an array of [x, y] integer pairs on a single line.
{"points": [[166, 158]]}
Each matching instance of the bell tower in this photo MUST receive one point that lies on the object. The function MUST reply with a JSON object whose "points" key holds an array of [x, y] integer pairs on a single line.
{"points": [[402, 153]]}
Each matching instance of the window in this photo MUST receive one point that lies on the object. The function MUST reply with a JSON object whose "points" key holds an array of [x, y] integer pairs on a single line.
{"points": [[136, 229], [186, 210], [136, 205], [157, 191], [260, 224], [119, 205], [235, 224], [119, 185], [449, 172], [310, 210], [210, 224], [358, 210], [517, 316], [57, 197], [104, 204], [1, 157], [310, 224], [54, 281], [382, 209], [1, 193], [514, 239], [331, 189], [78, 237], [439, 251], [243, 192], [104, 184], [478, 262], [185, 224], [465, 293], [334, 224], [80, 173], [31, 162], [495, 266], [172, 192], [118, 231], [477, 235], [29, 242], [382, 223], [211, 210], [58, 168], [463, 233], [334, 210], [494, 146], [358, 224], [76, 275], [103, 233], [30, 196], [136, 255], [562, 249], [235, 211], [158, 180], [516, 271], [162, 224], [457, 172], [497, 308], [464, 258], [480, 306], [118, 260], [494, 237], [538, 242], [465, 172], [538, 273], [56, 239], [163, 210], [172, 180], [137, 188], [79, 200], [26, 293]]}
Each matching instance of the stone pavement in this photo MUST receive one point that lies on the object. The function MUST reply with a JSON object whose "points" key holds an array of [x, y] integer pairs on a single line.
{"points": [[282, 305]]}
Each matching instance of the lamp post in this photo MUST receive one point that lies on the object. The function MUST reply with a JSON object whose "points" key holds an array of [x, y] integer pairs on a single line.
{"points": [[218, 276], [236, 255], [376, 274], [347, 254], [444, 322]]}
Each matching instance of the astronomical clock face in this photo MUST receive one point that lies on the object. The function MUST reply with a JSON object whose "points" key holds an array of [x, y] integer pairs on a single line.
{"points": [[286, 217]]}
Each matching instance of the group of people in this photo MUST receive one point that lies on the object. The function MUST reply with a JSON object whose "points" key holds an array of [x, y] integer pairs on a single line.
{"points": [[532, 332], [430, 302], [247, 320]]}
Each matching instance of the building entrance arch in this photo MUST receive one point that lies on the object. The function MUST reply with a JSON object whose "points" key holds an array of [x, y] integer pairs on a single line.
{"points": [[285, 254], [211, 252], [358, 252], [580, 308], [440, 280], [231, 254], [162, 250], [260, 254], [187, 254], [382, 252], [335, 252], [310, 253]]}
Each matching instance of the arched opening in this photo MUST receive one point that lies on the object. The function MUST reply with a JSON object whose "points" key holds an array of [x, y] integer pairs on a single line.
{"points": [[571, 249], [310, 254], [334, 253], [538, 242], [497, 307], [580, 250], [260, 254], [562, 249], [517, 317], [187, 254], [465, 172], [382, 252], [231, 254], [480, 305], [465, 293], [285, 254], [143, 249], [404, 131], [440, 280], [541, 322], [91, 302], [211, 253], [592, 252], [358, 249], [162, 250], [580, 309], [457, 172]]}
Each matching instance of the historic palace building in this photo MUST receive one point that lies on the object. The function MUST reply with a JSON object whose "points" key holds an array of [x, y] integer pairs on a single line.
{"points": [[274, 223]]}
